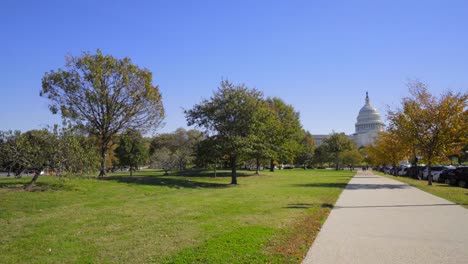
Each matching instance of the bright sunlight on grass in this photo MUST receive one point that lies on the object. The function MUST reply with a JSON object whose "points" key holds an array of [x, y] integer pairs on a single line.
{"points": [[172, 219]]}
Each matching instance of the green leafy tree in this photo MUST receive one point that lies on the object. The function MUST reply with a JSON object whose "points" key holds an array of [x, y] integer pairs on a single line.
{"points": [[287, 135], [208, 151], [164, 159], [228, 115], [335, 145], [263, 134], [181, 144], [73, 153], [104, 96], [80, 154], [7, 149], [35, 148], [435, 126], [321, 155], [305, 154], [131, 150], [351, 157]]}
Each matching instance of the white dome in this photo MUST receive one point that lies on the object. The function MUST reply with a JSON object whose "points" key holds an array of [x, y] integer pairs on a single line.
{"points": [[368, 119]]}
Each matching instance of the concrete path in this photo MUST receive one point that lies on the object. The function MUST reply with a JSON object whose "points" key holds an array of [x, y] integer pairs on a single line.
{"points": [[379, 220]]}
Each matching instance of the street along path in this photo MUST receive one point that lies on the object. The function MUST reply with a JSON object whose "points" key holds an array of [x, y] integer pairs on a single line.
{"points": [[379, 220]]}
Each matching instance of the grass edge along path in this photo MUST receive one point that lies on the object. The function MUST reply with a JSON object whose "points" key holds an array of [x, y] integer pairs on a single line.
{"points": [[271, 218], [451, 193]]}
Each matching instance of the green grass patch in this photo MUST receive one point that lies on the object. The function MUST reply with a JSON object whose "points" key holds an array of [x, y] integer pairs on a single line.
{"points": [[452, 193], [148, 218]]}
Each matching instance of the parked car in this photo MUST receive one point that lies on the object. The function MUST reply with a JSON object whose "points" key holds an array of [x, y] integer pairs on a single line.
{"points": [[435, 171], [388, 170], [403, 171], [444, 175], [415, 172], [459, 176]]}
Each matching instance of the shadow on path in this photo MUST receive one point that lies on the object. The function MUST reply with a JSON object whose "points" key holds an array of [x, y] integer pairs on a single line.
{"points": [[164, 181], [395, 206], [354, 186]]}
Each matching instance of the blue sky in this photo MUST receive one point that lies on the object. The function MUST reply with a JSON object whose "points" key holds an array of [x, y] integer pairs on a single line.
{"points": [[319, 56]]}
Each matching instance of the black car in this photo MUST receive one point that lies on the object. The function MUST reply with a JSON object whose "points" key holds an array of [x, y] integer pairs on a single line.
{"points": [[459, 177], [444, 176], [415, 172]]}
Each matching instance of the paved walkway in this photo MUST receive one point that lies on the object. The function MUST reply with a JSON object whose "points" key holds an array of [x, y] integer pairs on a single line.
{"points": [[379, 220]]}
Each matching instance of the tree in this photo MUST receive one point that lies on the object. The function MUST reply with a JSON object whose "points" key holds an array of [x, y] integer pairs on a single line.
{"points": [[35, 147], [321, 155], [263, 134], [76, 153], [306, 151], [208, 151], [435, 126], [164, 159], [389, 149], [287, 135], [131, 150], [181, 144], [228, 116], [7, 149], [336, 144], [365, 155], [104, 96], [351, 157], [463, 155]]}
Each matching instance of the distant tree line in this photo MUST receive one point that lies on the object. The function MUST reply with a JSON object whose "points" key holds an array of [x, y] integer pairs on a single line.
{"points": [[108, 104]]}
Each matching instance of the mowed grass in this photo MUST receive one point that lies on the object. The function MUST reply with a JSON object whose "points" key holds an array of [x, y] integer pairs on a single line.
{"points": [[452, 193], [150, 218]]}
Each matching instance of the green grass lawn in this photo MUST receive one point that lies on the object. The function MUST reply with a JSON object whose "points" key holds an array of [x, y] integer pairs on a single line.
{"points": [[452, 193], [173, 219]]}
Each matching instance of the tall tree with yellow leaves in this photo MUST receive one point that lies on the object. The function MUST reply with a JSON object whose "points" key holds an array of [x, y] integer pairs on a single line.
{"points": [[435, 126], [388, 149]]}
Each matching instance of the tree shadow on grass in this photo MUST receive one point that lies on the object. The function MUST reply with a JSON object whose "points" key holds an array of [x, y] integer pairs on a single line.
{"points": [[353, 186], [209, 173], [440, 184], [307, 206], [38, 186], [164, 181]]}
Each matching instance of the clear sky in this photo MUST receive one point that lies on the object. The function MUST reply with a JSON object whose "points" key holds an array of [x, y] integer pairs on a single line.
{"points": [[319, 56]]}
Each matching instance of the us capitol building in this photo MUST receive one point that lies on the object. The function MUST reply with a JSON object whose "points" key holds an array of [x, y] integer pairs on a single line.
{"points": [[368, 124]]}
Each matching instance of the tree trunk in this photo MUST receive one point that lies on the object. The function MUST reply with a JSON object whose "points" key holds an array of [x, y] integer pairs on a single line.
{"points": [[429, 174], [216, 166], [234, 172], [272, 165], [102, 173], [258, 167], [29, 186], [131, 172]]}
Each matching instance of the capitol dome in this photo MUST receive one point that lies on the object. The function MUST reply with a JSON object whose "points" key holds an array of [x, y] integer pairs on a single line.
{"points": [[369, 123]]}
